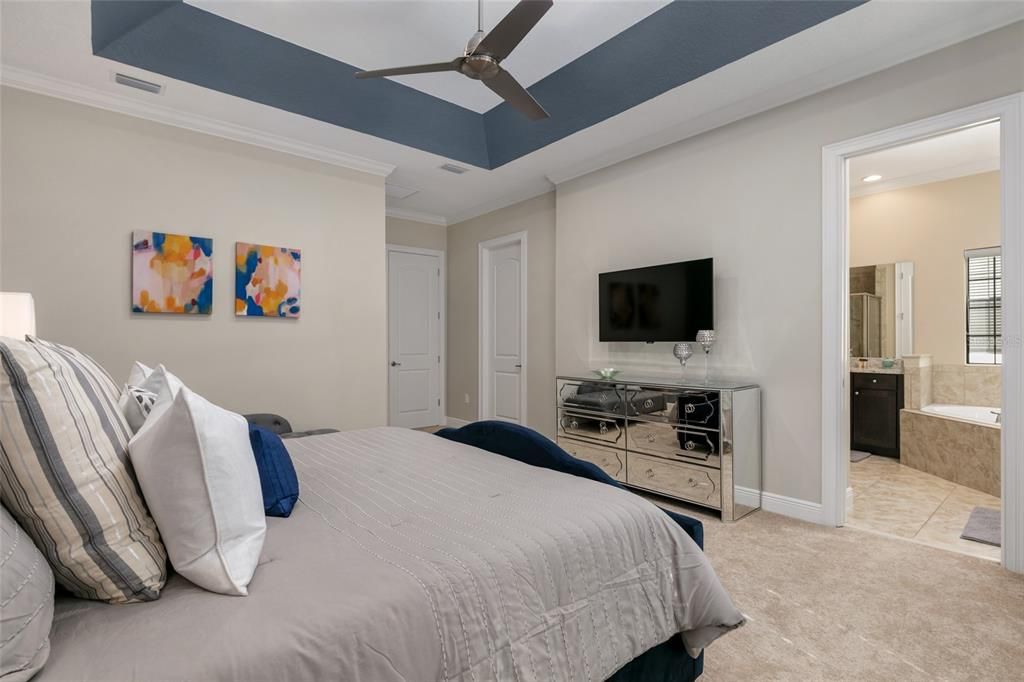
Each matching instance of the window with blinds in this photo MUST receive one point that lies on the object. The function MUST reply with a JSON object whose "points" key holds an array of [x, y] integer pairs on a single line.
{"points": [[984, 306]]}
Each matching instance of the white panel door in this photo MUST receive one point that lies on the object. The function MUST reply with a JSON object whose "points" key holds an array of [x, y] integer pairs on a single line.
{"points": [[504, 337], [414, 341]]}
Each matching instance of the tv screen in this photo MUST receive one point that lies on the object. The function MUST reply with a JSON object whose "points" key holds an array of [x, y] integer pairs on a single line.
{"points": [[659, 303]]}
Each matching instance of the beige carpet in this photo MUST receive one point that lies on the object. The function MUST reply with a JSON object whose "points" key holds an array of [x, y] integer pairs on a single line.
{"points": [[844, 604]]}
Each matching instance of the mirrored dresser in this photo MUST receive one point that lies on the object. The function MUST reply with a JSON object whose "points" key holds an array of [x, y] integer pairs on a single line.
{"points": [[699, 443]]}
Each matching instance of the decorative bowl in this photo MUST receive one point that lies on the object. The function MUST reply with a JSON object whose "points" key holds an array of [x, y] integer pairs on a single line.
{"points": [[607, 373]]}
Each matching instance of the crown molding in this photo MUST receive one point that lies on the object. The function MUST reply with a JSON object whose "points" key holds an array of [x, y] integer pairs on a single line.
{"points": [[938, 175], [416, 216], [53, 87]]}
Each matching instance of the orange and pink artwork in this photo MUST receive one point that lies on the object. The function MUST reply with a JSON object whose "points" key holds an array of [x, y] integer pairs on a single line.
{"points": [[171, 273], [267, 280]]}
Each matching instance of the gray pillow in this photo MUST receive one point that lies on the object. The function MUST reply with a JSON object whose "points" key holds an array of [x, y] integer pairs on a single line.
{"points": [[26, 603]]}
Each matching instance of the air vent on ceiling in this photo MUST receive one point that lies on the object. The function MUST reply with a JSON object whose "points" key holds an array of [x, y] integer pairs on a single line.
{"points": [[452, 168], [138, 83], [398, 191]]}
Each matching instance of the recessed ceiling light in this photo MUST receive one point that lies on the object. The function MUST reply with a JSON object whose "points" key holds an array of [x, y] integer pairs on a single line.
{"points": [[872, 178]]}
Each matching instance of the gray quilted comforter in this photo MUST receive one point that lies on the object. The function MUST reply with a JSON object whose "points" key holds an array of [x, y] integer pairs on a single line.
{"points": [[410, 557]]}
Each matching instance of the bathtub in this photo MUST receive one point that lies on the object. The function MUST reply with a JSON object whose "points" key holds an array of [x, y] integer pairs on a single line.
{"points": [[960, 443], [974, 413]]}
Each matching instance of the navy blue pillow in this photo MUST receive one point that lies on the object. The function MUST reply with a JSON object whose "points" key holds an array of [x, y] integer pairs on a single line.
{"points": [[277, 474]]}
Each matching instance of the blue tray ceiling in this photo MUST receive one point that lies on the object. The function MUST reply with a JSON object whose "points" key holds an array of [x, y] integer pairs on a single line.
{"points": [[673, 46]]}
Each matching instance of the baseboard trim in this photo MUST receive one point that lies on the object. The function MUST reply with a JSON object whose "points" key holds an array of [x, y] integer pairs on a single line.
{"points": [[793, 508], [456, 422], [748, 497]]}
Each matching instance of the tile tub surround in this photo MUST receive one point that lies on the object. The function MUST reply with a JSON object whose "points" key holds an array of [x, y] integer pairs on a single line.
{"points": [[956, 450], [967, 385], [917, 381]]}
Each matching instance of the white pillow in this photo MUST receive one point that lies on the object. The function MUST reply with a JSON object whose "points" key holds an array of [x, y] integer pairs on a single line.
{"points": [[135, 404], [139, 373], [137, 399], [198, 476]]}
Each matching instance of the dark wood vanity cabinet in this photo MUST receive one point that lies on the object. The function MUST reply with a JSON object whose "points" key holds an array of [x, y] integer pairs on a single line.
{"points": [[875, 404]]}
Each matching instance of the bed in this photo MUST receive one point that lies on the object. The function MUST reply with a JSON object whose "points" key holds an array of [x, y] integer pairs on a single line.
{"points": [[412, 557]]}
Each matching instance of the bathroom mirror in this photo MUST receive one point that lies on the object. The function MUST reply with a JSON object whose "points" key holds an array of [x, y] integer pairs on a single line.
{"points": [[881, 310]]}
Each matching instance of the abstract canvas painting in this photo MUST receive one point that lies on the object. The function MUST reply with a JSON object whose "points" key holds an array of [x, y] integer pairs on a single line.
{"points": [[171, 273], [267, 280]]}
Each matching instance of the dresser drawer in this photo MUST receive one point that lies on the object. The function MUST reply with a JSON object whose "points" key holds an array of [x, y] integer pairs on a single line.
{"points": [[575, 424], [689, 407], [668, 440], [675, 479], [612, 461]]}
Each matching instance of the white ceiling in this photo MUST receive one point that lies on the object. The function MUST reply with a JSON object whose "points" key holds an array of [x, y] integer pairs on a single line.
{"points": [[963, 152], [376, 34], [46, 49]]}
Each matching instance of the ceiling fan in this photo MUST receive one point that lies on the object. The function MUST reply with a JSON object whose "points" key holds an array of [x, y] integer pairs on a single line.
{"points": [[484, 53]]}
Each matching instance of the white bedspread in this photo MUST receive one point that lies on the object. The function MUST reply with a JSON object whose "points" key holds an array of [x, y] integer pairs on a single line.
{"points": [[410, 557]]}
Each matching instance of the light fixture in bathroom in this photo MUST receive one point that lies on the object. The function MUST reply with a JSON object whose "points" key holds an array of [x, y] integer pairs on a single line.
{"points": [[874, 177]]}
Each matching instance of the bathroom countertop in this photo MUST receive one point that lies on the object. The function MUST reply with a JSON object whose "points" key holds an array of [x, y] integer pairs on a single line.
{"points": [[877, 370]]}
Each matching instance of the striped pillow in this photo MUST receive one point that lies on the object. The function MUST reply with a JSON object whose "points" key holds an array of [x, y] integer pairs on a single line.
{"points": [[65, 475]]}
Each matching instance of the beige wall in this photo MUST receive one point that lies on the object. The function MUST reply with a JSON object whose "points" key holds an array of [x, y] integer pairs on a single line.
{"points": [[749, 195], [77, 181], [537, 217], [931, 226], [401, 232]]}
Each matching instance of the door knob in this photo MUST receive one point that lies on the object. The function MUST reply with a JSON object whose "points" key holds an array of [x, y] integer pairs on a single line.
{"points": [[395, 364], [519, 366]]}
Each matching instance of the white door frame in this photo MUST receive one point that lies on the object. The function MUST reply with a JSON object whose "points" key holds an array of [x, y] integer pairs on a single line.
{"points": [[442, 310], [835, 422], [483, 332]]}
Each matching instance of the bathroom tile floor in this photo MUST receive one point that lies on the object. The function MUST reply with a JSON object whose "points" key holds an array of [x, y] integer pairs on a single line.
{"points": [[894, 499]]}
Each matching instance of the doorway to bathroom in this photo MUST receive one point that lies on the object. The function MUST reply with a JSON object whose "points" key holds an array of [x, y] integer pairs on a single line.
{"points": [[921, 348]]}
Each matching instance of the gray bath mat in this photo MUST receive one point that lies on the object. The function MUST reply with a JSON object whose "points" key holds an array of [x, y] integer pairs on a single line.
{"points": [[858, 455], [983, 526]]}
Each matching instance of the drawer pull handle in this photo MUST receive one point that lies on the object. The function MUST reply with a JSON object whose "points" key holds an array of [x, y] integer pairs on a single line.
{"points": [[574, 424], [648, 404], [604, 428], [690, 408], [856, 392], [874, 381], [690, 445], [650, 473], [651, 438], [693, 483]]}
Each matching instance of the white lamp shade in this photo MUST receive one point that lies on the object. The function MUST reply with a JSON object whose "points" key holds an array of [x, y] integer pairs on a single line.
{"points": [[17, 314]]}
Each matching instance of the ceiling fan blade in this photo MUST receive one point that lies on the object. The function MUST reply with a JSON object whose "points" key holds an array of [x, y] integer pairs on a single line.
{"points": [[419, 68], [511, 30], [509, 89]]}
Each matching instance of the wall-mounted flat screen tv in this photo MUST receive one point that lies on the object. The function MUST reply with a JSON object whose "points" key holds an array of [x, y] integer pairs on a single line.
{"points": [[658, 303]]}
